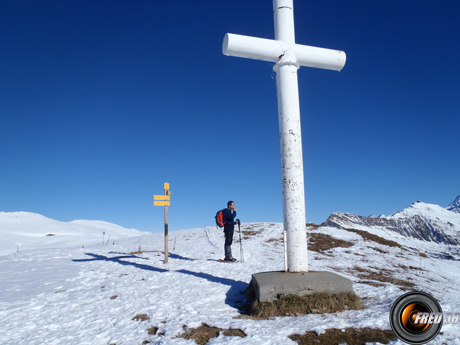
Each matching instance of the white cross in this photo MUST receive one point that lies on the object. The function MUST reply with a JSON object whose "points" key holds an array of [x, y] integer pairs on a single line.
{"points": [[288, 57]]}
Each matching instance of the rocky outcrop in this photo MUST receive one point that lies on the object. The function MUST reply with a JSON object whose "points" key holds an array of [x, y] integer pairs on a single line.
{"points": [[455, 206]]}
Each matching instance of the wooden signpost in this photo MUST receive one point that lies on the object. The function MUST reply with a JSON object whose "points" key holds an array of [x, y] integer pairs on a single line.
{"points": [[164, 200]]}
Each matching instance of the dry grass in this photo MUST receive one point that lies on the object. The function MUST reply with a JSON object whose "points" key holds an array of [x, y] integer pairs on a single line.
{"points": [[152, 330], [379, 250], [367, 236], [382, 275], [113, 297], [234, 333], [316, 303], [140, 317], [274, 240], [250, 232], [423, 255], [410, 268], [381, 269], [144, 251], [368, 282], [348, 336], [204, 333], [322, 242]]}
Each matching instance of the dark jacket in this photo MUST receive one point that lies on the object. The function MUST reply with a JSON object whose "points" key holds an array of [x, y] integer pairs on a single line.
{"points": [[229, 217]]}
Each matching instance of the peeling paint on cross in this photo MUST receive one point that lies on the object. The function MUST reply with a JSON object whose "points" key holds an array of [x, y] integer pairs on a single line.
{"points": [[288, 57]]}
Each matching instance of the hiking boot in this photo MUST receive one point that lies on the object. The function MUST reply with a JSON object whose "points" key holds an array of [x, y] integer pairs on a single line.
{"points": [[229, 259]]}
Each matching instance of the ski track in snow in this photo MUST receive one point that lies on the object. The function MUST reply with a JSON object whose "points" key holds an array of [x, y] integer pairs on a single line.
{"points": [[63, 295]]}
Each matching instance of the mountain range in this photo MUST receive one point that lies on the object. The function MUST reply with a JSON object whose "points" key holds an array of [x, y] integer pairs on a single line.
{"points": [[427, 222]]}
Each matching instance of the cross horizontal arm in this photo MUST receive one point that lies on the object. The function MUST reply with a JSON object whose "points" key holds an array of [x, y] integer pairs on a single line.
{"points": [[251, 47], [272, 50]]}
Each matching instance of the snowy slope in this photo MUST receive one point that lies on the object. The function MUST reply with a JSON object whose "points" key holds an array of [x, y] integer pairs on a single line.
{"points": [[455, 205], [25, 230], [89, 295], [427, 222]]}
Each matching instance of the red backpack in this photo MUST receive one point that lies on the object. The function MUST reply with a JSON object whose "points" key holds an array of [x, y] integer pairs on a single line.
{"points": [[220, 218]]}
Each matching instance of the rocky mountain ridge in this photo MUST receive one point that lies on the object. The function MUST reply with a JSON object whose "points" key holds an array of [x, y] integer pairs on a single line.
{"points": [[422, 221], [455, 206]]}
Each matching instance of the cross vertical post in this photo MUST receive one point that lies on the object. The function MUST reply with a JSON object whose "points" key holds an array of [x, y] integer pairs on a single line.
{"points": [[288, 57], [292, 176]]}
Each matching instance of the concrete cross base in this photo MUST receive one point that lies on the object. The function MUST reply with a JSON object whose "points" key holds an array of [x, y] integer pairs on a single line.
{"points": [[269, 286]]}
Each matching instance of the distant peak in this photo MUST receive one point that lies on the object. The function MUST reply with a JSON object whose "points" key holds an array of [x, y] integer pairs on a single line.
{"points": [[455, 206], [375, 216], [457, 200]]}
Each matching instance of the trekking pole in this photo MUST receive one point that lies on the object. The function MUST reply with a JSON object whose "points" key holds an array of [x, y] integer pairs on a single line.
{"points": [[241, 242]]}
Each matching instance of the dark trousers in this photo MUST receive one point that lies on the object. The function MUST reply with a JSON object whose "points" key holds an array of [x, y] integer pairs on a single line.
{"points": [[228, 231]]}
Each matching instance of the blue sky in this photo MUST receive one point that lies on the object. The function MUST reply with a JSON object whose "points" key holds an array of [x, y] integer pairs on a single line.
{"points": [[101, 102]]}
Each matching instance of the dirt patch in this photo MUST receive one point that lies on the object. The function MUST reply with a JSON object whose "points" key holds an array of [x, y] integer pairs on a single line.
{"points": [[204, 333], [367, 236], [322, 242], [347, 336]]}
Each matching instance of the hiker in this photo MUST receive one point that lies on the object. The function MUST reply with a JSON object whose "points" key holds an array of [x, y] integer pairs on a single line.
{"points": [[229, 215]]}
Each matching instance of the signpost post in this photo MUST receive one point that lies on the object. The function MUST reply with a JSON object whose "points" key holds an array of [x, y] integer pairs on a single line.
{"points": [[164, 200]]}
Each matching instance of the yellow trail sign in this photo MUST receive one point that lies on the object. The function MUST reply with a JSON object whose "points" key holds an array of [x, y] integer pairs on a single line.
{"points": [[161, 203], [161, 197]]}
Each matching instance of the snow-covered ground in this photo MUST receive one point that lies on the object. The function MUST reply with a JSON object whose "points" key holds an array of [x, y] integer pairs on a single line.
{"points": [[66, 294], [25, 230]]}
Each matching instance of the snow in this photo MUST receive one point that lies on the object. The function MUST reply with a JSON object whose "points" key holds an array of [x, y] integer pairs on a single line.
{"points": [[61, 294], [428, 222], [24, 230], [421, 207]]}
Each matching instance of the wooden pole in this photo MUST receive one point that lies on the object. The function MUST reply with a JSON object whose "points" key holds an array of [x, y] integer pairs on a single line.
{"points": [[166, 225]]}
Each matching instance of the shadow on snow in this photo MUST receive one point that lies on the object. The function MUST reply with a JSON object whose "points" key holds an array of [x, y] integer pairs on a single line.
{"points": [[234, 297]]}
